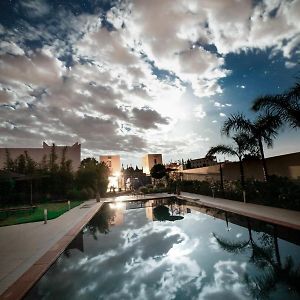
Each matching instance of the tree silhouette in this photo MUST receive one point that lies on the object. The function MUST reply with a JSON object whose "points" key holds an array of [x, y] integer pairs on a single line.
{"points": [[263, 129], [158, 171], [243, 143], [267, 258], [285, 105]]}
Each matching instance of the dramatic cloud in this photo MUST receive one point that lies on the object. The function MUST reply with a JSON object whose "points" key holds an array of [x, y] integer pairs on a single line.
{"points": [[106, 74]]}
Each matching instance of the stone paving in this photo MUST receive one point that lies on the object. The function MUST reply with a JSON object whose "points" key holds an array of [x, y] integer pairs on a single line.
{"points": [[269, 214], [27, 250], [22, 245]]}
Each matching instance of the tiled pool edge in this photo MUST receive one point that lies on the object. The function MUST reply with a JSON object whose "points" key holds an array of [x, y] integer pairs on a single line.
{"points": [[260, 217], [26, 281]]}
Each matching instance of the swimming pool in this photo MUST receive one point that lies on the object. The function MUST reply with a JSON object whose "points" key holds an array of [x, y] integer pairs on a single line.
{"points": [[171, 249]]}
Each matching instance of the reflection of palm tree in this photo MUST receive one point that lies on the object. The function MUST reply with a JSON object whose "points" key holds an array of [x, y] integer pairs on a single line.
{"points": [[261, 287], [263, 129], [258, 254], [267, 258]]}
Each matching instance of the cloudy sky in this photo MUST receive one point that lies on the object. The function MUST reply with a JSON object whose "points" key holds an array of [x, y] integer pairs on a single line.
{"points": [[135, 77]]}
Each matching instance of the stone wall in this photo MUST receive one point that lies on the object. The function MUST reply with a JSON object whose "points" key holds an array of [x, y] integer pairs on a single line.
{"points": [[287, 165]]}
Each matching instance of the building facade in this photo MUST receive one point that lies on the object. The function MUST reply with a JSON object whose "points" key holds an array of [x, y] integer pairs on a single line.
{"points": [[113, 162], [287, 165], [203, 162], [149, 160], [72, 153]]}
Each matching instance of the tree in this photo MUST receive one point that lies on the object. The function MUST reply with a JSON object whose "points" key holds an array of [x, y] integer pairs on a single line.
{"points": [[31, 165], [52, 159], [244, 144], [21, 164], [9, 164], [263, 129], [89, 161], [285, 105], [94, 175], [188, 164], [158, 171]]}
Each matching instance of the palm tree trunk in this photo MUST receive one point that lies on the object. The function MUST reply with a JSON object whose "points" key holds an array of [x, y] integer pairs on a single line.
{"points": [[277, 253], [263, 160], [221, 178], [249, 231], [242, 173]]}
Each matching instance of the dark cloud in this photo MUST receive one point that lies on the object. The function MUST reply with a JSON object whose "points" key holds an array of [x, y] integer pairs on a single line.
{"points": [[147, 118]]}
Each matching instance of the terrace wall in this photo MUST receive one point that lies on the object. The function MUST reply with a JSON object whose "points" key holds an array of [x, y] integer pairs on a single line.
{"points": [[287, 165]]}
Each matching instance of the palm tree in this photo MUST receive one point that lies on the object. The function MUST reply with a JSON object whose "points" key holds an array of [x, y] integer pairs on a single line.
{"points": [[263, 129], [286, 105], [244, 144]]}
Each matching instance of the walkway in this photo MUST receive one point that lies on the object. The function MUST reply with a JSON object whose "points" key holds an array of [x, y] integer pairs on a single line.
{"points": [[269, 214], [23, 246]]}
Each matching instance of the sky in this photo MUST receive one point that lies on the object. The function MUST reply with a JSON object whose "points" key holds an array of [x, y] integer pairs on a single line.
{"points": [[137, 77]]}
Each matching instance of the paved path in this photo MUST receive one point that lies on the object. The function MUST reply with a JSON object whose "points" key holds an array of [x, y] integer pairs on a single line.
{"points": [[22, 245], [273, 215]]}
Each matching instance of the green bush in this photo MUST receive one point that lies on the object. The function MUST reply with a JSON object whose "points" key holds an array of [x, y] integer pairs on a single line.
{"points": [[143, 190], [160, 185]]}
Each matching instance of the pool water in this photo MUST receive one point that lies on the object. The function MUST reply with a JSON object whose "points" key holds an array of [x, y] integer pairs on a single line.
{"points": [[169, 249]]}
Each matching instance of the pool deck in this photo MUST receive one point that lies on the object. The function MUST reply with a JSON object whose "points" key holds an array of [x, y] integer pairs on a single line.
{"points": [[279, 216], [27, 250]]}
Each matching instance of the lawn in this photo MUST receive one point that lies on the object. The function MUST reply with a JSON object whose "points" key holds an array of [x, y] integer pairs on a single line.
{"points": [[19, 217]]}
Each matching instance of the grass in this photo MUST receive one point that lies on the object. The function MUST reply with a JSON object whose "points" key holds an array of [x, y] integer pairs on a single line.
{"points": [[54, 211]]}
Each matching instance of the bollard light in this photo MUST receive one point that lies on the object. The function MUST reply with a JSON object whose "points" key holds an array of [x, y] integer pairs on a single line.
{"points": [[244, 196], [45, 215], [69, 204]]}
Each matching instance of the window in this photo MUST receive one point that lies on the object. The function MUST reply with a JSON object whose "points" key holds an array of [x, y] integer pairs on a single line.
{"points": [[155, 162]]}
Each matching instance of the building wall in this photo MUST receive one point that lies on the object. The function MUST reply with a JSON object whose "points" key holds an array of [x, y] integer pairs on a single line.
{"points": [[113, 162], [287, 165], [37, 154], [203, 162], [149, 160]]}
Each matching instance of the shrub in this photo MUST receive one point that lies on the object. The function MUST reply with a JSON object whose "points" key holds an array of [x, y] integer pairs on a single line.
{"points": [[143, 190], [278, 191]]}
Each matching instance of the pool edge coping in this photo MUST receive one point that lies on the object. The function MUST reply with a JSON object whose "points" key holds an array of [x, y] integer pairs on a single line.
{"points": [[243, 213], [18, 289]]}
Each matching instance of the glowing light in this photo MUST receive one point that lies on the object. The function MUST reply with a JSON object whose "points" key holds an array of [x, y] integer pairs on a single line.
{"points": [[117, 205]]}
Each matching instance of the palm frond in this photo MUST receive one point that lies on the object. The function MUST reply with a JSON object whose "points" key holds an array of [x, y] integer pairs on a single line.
{"points": [[286, 105], [221, 149], [267, 126], [231, 247], [275, 104], [236, 122]]}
